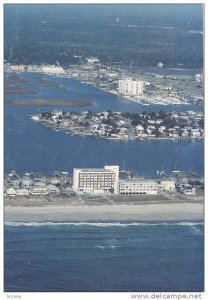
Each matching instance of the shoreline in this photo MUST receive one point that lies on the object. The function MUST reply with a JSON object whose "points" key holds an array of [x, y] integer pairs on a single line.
{"points": [[165, 212], [143, 101], [74, 131]]}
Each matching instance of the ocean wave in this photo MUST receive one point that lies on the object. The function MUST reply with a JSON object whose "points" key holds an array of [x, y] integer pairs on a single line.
{"points": [[101, 224], [105, 247]]}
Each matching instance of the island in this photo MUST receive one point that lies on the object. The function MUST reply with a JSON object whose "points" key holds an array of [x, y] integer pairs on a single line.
{"points": [[126, 125]]}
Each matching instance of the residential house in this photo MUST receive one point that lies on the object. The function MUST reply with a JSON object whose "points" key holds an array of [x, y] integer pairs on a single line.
{"points": [[54, 180], [13, 180], [140, 128], [195, 132], [38, 190], [52, 189], [167, 185], [185, 134], [159, 121], [26, 181], [162, 128], [151, 121], [151, 127], [11, 192], [22, 192], [39, 180], [149, 131]]}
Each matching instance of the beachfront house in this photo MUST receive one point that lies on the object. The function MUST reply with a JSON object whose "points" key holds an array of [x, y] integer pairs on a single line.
{"points": [[167, 185], [52, 189], [67, 190], [22, 192], [38, 190], [11, 192], [188, 190]]}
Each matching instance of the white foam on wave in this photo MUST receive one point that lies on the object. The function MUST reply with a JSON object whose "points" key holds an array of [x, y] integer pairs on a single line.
{"points": [[105, 247], [100, 224], [189, 223]]}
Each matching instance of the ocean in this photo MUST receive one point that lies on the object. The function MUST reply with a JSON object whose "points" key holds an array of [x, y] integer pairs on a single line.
{"points": [[104, 257], [99, 256]]}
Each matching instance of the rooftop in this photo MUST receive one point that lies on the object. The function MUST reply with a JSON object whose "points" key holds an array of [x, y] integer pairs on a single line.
{"points": [[95, 170], [137, 180]]}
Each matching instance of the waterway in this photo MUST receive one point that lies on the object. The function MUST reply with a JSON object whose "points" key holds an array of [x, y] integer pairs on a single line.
{"points": [[30, 146]]}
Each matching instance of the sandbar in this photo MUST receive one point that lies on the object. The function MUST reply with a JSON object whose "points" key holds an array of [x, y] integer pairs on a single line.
{"points": [[42, 102]]}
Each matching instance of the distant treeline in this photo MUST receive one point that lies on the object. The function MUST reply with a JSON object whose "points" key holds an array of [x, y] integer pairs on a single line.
{"points": [[140, 35]]}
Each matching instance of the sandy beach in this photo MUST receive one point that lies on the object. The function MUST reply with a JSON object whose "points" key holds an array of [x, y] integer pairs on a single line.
{"points": [[146, 212]]}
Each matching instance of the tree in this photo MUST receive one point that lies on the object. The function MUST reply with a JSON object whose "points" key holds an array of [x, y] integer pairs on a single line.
{"points": [[46, 115], [201, 123], [153, 115], [161, 114], [170, 122], [156, 132], [89, 115], [86, 123], [134, 122]]}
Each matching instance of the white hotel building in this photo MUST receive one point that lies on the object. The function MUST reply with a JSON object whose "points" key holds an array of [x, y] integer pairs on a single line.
{"points": [[137, 187], [130, 87], [96, 180]]}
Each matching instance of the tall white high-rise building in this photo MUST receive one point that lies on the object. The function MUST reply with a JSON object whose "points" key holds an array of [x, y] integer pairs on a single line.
{"points": [[130, 87], [105, 179]]}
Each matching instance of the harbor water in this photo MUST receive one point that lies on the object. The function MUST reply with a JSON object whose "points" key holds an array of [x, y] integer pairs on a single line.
{"points": [[30, 146]]}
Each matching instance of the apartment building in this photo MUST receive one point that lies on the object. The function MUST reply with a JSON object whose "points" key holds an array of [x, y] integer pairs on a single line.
{"points": [[131, 87], [96, 179]]}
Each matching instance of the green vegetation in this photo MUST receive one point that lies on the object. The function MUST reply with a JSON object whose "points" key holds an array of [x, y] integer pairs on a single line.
{"points": [[134, 35]]}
